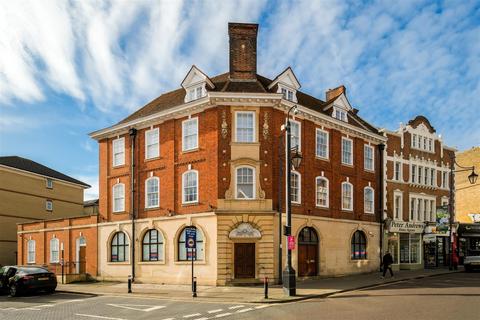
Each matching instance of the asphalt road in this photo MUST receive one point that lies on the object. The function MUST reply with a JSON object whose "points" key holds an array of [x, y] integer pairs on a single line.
{"points": [[83, 307], [453, 296]]}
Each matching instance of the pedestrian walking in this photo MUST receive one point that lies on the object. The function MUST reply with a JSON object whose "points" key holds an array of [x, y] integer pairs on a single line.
{"points": [[387, 262]]}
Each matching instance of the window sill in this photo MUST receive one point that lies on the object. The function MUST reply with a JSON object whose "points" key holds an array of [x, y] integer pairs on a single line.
{"points": [[322, 158], [358, 260], [122, 263], [151, 208], [119, 166], [369, 213], [190, 204], [119, 212], [189, 262], [322, 207], [347, 165], [190, 150], [152, 159], [254, 143], [146, 263], [347, 210], [296, 204], [370, 170]]}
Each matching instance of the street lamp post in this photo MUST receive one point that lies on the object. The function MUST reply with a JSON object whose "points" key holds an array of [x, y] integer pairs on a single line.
{"points": [[472, 178], [289, 278]]}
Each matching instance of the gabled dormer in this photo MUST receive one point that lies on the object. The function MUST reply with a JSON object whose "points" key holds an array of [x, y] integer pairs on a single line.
{"points": [[196, 84], [287, 84], [338, 103]]}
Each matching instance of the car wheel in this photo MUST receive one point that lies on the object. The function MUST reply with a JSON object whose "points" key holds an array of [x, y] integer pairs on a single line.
{"points": [[50, 290], [14, 290], [468, 269]]}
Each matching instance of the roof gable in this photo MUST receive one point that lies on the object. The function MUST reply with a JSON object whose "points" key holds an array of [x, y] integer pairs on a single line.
{"points": [[286, 78], [196, 76], [340, 102]]}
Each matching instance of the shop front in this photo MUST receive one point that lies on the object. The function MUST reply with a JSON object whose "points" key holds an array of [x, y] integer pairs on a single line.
{"points": [[404, 242]]}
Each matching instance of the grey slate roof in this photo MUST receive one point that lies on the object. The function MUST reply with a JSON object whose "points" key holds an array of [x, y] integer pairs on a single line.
{"points": [[35, 167]]}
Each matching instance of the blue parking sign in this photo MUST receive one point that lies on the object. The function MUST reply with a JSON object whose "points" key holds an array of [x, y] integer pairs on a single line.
{"points": [[191, 238]]}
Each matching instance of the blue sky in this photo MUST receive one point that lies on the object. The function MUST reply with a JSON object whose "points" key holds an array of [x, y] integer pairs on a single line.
{"points": [[68, 68]]}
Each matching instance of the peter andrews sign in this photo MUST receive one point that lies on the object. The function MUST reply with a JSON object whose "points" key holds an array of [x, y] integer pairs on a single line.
{"points": [[406, 227]]}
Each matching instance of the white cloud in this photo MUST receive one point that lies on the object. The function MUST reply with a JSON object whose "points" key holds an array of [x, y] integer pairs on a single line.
{"points": [[396, 59], [90, 193]]}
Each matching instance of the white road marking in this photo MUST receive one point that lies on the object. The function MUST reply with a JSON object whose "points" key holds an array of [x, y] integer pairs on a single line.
{"points": [[223, 315], [169, 319], [244, 310], [235, 307], [98, 317], [192, 315], [204, 318], [215, 311], [31, 308], [45, 306], [136, 307], [262, 306]]}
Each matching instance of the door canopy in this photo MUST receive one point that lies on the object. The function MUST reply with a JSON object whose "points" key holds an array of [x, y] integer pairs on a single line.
{"points": [[245, 231]]}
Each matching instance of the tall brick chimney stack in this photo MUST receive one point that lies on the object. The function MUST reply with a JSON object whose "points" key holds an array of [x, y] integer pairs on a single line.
{"points": [[243, 51]]}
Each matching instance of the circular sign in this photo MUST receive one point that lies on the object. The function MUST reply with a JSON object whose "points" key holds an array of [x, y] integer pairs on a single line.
{"points": [[191, 243]]}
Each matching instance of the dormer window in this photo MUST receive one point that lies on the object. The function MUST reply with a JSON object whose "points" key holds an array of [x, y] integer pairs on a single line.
{"points": [[340, 114], [287, 94], [195, 84], [287, 84], [195, 93]]}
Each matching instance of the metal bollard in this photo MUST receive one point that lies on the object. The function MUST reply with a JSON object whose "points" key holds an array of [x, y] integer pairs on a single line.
{"points": [[194, 287], [129, 284], [265, 287]]}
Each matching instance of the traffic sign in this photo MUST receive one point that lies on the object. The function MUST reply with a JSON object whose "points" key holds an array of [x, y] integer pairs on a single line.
{"points": [[191, 238]]}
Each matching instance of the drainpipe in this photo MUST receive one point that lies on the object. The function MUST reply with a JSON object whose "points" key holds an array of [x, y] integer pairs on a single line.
{"points": [[381, 148], [132, 132], [279, 197]]}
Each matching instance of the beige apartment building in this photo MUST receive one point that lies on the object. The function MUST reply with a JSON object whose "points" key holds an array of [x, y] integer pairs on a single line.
{"points": [[30, 191], [467, 195]]}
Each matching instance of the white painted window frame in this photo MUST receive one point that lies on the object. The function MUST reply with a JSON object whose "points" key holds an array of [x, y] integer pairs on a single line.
{"points": [[114, 143], [299, 179], [254, 182], [317, 131], [114, 187], [398, 194], [184, 136], [147, 193], [31, 252], [54, 244], [254, 132], [147, 144], [316, 192], [49, 205], [365, 147], [343, 195], [299, 124], [365, 200], [184, 175], [351, 151]]}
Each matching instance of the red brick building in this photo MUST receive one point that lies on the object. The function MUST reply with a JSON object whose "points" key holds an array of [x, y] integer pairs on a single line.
{"points": [[209, 155], [417, 174]]}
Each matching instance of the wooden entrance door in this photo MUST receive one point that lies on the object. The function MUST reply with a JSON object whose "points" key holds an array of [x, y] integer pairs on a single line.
{"points": [[82, 253], [244, 260], [307, 252]]}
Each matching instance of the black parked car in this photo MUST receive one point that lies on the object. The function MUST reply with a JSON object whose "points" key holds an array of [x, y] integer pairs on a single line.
{"points": [[23, 279]]}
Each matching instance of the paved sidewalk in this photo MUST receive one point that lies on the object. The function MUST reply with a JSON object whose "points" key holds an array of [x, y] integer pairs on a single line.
{"points": [[306, 289]]}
